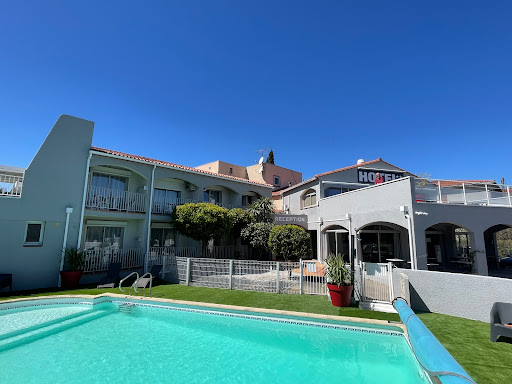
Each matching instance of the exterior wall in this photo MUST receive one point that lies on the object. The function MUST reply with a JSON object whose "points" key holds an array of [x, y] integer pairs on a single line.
{"points": [[270, 170], [278, 202], [53, 181], [468, 296], [223, 168], [474, 218]]}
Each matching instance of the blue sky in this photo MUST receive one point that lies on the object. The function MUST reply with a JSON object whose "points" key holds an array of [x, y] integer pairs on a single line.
{"points": [[425, 85]]}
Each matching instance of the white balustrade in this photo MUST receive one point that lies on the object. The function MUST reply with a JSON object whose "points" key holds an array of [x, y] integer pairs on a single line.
{"points": [[105, 199], [462, 192], [10, 185], [98, 260]]}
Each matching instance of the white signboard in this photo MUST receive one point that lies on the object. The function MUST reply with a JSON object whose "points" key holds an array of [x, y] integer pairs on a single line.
{"points": [[368, 175]]}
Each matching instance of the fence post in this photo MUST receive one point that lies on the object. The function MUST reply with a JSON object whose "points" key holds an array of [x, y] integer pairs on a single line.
{"points": [[301, 277], [230, 274], [439, 191], [464, 192], [164, 265], [390, 281], [187, 276], [508, 194], [487, 194], [277, 277]]}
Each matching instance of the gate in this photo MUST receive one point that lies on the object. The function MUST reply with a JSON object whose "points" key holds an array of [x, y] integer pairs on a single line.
{"points": [[377, 282]]}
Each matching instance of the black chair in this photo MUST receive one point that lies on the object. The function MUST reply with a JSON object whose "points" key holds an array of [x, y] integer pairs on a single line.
{"points": [[501, 314], [112, 277], [6, 281]]}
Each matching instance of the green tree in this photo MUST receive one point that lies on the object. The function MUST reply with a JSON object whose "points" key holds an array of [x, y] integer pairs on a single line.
{"points": [[202, 221], [262, 210], [290, 242], [240, 218], [270, 157], [257, 235]]}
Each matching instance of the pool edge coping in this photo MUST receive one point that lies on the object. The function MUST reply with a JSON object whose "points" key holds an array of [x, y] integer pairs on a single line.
{"points": [[349, 319]]}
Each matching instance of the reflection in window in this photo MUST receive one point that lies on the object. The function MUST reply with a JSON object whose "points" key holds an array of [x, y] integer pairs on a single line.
{"points": [[162, 237], [104, 237]]}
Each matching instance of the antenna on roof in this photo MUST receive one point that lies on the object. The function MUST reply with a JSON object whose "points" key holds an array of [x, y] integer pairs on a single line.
{"points": [[261, 169], [263, 153], [261, 160]]}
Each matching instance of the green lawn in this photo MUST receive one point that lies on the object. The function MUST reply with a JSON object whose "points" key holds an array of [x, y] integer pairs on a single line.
{"points": [[467, 340]]}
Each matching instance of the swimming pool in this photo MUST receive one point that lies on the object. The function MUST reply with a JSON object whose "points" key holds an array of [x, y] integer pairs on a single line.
{"points": [[114, 340]]}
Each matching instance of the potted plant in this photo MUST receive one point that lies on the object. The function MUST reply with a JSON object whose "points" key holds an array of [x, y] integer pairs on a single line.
{"points": [[73, 268], [339, 280]]}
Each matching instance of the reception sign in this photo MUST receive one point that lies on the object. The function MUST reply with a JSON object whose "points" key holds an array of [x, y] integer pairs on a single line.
{"points": [[300, 220]]}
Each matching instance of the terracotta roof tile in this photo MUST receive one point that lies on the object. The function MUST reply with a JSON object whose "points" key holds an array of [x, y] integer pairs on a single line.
{"points": [[178, 166], [449, 183]]}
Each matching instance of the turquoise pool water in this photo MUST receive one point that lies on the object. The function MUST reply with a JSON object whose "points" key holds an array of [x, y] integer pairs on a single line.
{"points": [[144, 344]]}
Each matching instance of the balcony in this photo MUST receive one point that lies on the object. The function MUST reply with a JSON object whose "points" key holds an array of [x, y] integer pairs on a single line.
{"points": [[11, 184], [98, 260], [166, 208], [461, 192], [105, 199]]}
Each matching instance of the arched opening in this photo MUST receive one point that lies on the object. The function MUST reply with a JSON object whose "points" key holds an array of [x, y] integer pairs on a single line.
{"points": [[248, 198], [449, 248], [498, 248], [308, 198], [337, 241], [170, 192], [384, 242], [220, 195]]}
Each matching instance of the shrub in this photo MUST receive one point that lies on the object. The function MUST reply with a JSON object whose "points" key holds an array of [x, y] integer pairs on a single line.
{"points": [[289, 242], [257, 235], [201, 221]]}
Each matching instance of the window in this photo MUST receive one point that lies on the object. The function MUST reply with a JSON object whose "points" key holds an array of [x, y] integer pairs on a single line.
{"points": [[332, 191], [162, 237], [117, 183], [165, 200], [230, 171], [110, 238], [277, 181], [34, 233], [309, 198], [248, 200], [213, 196]]}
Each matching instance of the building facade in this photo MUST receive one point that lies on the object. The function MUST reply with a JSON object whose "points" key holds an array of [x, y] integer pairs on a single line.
{"points": [[423, 224], [114, 206]]}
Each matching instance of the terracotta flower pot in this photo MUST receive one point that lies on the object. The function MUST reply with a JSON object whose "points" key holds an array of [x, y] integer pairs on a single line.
{"points": [[340, 296], [70, 279]]}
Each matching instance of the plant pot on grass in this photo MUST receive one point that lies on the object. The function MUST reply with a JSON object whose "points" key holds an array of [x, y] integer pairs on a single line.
{"points": [[340, 280], [73, 268]]}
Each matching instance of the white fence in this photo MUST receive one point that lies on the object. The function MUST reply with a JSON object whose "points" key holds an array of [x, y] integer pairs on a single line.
{"points": [[262, 276], [10, 185], [215, 252], [460, 192], [377, 282], [105, 199], [98, 260]]}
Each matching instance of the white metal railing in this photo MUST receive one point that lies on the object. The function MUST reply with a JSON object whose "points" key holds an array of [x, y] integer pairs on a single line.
{"points": [[97, 260], [313, 278], [10, 185], [376, 282], [105, 199], [156, 254], [462, 192], [166, 207], [262, 276]]}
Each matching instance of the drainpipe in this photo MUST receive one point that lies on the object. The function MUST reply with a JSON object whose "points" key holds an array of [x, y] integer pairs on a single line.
{"points": [[83, 201], [69, 211], [412, 253], [146, 258]]}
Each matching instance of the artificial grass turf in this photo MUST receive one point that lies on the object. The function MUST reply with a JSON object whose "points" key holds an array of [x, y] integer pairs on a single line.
{"points": [[467, 340]]}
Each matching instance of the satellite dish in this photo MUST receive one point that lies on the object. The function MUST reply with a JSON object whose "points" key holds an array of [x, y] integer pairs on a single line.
{"points": [[261, 161], [261, 169]]}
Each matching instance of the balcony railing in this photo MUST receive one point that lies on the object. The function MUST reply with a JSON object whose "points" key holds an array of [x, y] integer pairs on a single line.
{"points": [[166, 208], [10, 185], [105, 199], [157, 255], [460, 192], [98, 260]]}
